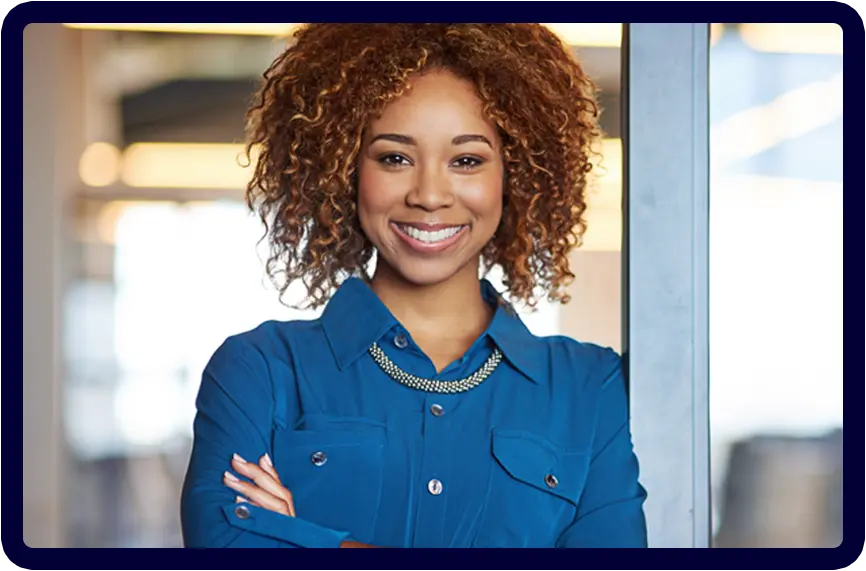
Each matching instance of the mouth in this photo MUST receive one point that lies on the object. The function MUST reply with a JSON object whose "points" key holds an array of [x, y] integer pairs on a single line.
{"points": [[429, 238]]}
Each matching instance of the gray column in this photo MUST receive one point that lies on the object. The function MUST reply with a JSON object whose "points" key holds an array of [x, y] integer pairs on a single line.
{"points": [[666, 163], [52, 144]]}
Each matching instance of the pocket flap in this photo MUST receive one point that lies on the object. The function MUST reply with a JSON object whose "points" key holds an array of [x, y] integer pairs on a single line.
{"points": [[536, 461]]}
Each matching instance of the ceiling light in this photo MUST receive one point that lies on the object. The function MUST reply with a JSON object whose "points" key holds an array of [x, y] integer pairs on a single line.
{"points": [[99, 164], [213, 166]]}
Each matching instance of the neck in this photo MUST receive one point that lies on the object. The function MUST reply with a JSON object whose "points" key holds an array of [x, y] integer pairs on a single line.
{"points": [[454, 307]]}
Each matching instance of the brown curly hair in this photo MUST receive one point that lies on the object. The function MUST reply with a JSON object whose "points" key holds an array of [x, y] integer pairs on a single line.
{"points": [[307, 120]]}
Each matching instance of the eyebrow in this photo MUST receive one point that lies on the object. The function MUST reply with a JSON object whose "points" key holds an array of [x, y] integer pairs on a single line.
{"points": [[407, 140]]}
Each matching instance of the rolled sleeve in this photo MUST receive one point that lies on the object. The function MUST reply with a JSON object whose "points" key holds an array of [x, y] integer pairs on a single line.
{"points": [[234, 415], [610, 511]]}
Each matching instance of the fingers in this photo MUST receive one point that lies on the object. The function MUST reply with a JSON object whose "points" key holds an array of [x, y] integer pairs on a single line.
{"points": [[256, 495], [255, 473], [265, 489], [265, 476], [243, 500], [267, 465]]}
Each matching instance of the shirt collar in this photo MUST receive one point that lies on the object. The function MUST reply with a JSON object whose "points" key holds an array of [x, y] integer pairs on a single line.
{"points": [[523, 350], [355, 318]]}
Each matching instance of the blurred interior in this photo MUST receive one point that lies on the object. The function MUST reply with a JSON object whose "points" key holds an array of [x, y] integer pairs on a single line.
{"points": [[141, 258]]}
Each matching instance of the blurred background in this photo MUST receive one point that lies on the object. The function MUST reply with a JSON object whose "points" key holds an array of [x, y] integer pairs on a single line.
{"points": [[140, 259]]}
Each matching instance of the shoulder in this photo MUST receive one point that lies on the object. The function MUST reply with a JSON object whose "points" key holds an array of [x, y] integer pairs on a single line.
{"points": [[584, 351], [573, 351], [583, 362], [250, 369], [269, 343]]}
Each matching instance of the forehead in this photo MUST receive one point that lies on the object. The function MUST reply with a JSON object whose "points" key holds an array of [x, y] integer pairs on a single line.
{"points": [[436, 102]]}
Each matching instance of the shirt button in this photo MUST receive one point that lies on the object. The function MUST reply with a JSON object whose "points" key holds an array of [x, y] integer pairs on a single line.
{"points": [[319, 458], [434, 486], [551, 481], [243, 512], [400, 341], [437, 410]]}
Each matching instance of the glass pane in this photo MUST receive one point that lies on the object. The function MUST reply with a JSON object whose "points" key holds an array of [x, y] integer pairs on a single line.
{"points": [[776, 285]]}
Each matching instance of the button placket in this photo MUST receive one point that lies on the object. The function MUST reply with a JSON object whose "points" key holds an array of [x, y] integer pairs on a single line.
{"points": [[435, 486], [434, 474]]}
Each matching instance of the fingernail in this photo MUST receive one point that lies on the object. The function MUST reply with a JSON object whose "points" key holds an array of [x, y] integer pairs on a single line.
{"points": [[240, 500], [267, 460], [239, 459], [231, 477]]}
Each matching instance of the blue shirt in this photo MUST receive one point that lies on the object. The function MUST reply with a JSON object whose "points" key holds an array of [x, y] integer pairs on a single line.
{"points": [[537, 455]]}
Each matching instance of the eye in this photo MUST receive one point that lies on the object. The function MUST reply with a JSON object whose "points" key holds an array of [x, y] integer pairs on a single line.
{"points": [[467, 163], [394, 160]]}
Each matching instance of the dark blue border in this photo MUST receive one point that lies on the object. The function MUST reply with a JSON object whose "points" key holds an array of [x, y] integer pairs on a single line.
{"points": [[12, 179]]}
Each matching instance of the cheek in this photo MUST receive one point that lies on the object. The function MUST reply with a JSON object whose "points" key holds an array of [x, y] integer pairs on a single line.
{"points": [[484, 199], [375, 195], [378, 192]]}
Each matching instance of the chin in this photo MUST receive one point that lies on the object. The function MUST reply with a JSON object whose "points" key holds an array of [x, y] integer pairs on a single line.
{"points": [[427, 276], [424, 273]]}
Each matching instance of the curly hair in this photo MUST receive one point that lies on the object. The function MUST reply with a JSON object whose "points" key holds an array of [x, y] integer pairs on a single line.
{"points": [[307, 120]]}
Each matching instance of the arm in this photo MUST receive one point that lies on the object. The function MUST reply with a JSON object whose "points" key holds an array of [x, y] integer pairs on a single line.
{"points": [[234, 415], [610, 513], [263, 488]]}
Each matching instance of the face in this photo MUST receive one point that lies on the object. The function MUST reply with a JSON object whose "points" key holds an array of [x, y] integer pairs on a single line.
{"points": [[430, 178]]}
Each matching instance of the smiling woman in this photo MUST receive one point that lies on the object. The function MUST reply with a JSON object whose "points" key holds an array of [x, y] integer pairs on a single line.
{"points": [[442, 149]]}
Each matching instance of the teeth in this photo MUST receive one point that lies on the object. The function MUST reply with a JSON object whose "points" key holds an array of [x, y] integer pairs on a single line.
{"points": [[431, 237]]}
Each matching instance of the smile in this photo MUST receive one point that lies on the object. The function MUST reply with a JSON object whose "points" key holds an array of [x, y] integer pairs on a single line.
{"points": [[430, 236], [429, 239]]}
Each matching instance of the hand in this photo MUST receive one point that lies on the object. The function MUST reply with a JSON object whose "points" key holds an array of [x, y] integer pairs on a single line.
{"points": [[265, 490]]}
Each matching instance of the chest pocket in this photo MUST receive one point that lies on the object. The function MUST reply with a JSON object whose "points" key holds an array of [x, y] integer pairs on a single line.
{"points": [[333, 467], [534, 490]]}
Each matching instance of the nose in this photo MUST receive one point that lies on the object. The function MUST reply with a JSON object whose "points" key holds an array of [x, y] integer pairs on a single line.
{"points": [[431, 190]]}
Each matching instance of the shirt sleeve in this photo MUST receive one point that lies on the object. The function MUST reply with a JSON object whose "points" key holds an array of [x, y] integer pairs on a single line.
{"points": [[234, 414], [610, 511]]}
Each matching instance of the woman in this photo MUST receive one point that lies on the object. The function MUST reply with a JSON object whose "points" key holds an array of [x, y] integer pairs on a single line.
{"points": [[418, 411]]}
